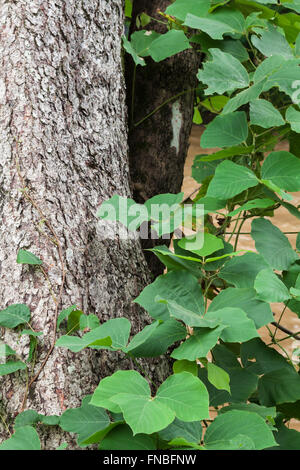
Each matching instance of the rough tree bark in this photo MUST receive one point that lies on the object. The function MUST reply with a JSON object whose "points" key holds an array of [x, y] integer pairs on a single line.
{"points": [[63, 137], [158, 146]]}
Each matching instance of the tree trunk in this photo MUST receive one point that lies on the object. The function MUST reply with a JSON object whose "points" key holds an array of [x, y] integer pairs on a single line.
{"points": [[63, 151], [158, 145]]}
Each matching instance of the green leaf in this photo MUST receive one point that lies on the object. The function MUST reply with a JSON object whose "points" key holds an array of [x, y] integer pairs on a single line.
{"points": [[272, 244], [218, 23], [263, 114], [26, 257], [271, 43], [14, 315], [210, 244], [241, 271], [180, 8], [279, 386], [266, 359], [231, 179], [11, 367], [129, 48], [218, 377], [258, 311], [186, 395], [142, 40], [85, 421], [160, 340], [269, 287], [293, 117], [223, 73], [179, 286], [192, 432], [254, 204], [240, 328], [215, 104], [25, 438], [199, 344], [225, 131], [229, 425], [122, 438], [283, 169], [169, 44], [187, 316]]}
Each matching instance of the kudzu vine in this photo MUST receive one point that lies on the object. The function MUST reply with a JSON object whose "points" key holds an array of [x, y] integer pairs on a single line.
{"points": [[214, 298]]}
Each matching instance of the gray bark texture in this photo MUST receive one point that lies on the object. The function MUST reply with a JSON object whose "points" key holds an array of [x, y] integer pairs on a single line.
{"points": [[63, 137], [158, 146]]}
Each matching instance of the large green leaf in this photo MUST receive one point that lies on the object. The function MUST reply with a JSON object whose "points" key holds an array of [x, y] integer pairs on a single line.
{"points": [[272, 244], [279, 386], [260, 312], [182, 395], [159, 340], [14, 315], [180, 286], [223, 73], [271, 43], [186, 395], [258, 358], [218, 23], [241, 271], [188, 317], [269, 287], [180, 8], [239, 327], [230, 179], [142, 40], [221, 154], [283, 169], [85, 421], [263, 114], [25, 438], [226, 131], [229, 425], [168, 44], [199, 344]]}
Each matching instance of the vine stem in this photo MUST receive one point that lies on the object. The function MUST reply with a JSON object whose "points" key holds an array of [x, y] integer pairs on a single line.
{"points": [[56, 241]]}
